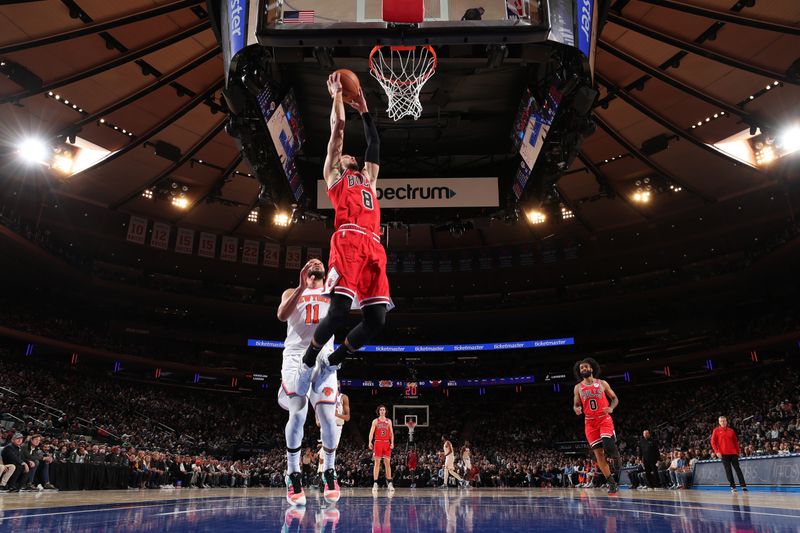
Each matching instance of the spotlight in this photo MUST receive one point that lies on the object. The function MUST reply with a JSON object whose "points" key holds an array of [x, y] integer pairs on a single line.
{"points": [[281, 219], [147, 193], [641, 196], [33, 150], [102, 121], [535, 216], [253, 215], [180, 202], [789, 139], [566, 213]]}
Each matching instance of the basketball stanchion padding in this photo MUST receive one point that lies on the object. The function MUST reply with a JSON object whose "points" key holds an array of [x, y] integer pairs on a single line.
{"points": [[403, 11]]}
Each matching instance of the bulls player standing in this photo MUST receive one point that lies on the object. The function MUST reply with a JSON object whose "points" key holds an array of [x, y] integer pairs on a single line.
{"points": [[383, 433], [357, 266], [302, 308], [591, 398]]}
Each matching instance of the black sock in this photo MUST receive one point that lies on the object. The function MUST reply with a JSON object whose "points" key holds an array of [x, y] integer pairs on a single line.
{"points": [[339, 355], [310, 357]]}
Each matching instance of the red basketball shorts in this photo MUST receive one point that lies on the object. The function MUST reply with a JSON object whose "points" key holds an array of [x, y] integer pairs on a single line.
{"points": [[381, 449], [357, 266], [597, 428]]}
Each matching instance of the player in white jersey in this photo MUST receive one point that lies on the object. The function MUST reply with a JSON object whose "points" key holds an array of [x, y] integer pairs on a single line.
{"points": [[302, 308]]}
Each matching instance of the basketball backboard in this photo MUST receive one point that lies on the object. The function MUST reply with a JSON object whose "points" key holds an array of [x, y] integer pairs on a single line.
{"points": [[361, 22], [401, 413]]}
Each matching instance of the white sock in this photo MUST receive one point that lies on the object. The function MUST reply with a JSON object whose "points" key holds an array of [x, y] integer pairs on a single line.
{"points": [[330, 459], [293, 461]]}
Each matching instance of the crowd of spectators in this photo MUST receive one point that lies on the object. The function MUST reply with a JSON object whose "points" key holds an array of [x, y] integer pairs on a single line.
{"points": [[166, 435]]}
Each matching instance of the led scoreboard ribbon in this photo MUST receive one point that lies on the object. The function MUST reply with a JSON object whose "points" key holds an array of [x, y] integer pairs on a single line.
{"points": [[410, 348]]}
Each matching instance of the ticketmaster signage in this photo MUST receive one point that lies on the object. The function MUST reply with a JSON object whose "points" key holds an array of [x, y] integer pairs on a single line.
{"points": [[432, 193], [404, 348]]}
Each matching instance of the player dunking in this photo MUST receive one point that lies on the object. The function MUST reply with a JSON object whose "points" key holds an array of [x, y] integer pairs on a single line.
{"points": [[302, 308], [383, 433], [591, 398], [357, 266]]}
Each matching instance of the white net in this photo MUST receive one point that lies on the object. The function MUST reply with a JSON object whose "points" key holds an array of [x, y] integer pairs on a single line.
{"points": [[402, 71]]}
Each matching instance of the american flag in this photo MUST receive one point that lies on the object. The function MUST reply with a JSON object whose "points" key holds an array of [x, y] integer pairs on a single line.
{"points": [[514, 9], [298, 17]]}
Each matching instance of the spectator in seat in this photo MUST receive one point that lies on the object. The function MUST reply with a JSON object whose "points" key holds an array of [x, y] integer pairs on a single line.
{"points": [[81, 455], [11, 455], [6, 471]]}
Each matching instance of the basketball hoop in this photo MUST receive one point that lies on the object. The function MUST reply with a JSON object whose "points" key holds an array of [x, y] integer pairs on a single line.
{"points": [[411, 424], [402, 71]]}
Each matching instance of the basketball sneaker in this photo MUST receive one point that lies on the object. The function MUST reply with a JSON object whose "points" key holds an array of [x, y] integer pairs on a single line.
{"points": [[612, 487], [293, 519], [331, 492], [375, 487], [390, 487], [324, 369], [294, 489]]}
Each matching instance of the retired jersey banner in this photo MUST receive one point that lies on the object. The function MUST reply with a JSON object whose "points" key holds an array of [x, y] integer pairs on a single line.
{"points": [[250, 252], [185, 241], [230, 249], [208, 245], [137, 228], [160, 236], [293, 256], [272, 255], [313, 253], [433, 193]]}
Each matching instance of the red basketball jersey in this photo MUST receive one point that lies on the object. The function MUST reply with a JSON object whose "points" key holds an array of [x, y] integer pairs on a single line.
{"points": [[382, 431], [594, 400], [354, 202]]}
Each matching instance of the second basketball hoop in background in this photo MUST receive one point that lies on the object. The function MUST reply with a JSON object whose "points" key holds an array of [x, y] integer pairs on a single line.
{"points": [[350, 84]]}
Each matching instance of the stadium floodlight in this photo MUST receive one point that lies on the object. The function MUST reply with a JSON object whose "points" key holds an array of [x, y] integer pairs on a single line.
{"points": [[789, 139], [34, 150], [536, 217], [281, 219], [180, 202]]}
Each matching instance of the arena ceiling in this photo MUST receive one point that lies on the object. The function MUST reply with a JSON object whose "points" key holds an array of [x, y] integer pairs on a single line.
{"points": [[674, 78]]}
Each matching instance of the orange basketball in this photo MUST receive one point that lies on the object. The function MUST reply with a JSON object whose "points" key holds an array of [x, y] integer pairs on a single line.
{"points": [[350, 84]]}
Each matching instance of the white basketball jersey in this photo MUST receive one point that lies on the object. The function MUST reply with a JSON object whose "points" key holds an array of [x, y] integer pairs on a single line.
{"points": [[311, 308]]}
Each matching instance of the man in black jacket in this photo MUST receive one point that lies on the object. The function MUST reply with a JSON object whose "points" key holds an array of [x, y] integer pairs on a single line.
{"points": [[11, 456], [650, 455]]}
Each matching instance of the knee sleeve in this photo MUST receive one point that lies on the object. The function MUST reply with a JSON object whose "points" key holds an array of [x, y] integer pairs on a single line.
{"points": [[610, 447], [336, 317]]}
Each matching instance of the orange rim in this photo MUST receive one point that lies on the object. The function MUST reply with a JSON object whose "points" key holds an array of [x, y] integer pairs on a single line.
{"points": [[402, 48]]}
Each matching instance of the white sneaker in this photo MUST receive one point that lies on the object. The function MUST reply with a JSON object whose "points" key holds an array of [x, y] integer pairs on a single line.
{"points": [[303, 379], [323, 370], [375, 487], [390, 487]]}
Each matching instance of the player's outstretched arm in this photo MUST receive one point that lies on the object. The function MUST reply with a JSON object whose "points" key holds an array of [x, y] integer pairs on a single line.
{"points": [[372, 156], [612, 396], [331, 168], [290, 297], [576, 400]]}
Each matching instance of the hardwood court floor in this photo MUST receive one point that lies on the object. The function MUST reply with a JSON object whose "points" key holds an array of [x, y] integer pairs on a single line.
{"points": [[417, 510]]}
